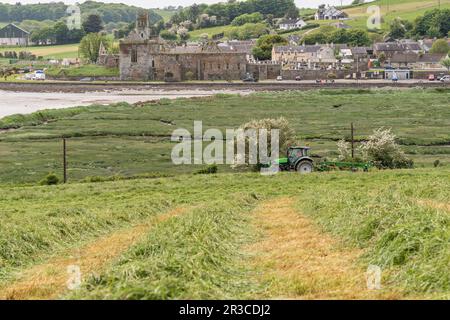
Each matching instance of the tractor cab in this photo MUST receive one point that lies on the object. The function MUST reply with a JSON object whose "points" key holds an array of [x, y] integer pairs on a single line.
{"points": [[297, 159], [294, 153]]}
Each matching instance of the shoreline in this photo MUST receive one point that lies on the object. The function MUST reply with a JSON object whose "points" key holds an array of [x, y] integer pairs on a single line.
{"points": [[81, 87]]}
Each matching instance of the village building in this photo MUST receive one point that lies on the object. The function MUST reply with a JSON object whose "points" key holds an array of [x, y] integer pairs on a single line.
{"points": [[427, 61], [329, 13], [290, 24], [312, 57], [145, 56], [12, 35], [389, 49]]}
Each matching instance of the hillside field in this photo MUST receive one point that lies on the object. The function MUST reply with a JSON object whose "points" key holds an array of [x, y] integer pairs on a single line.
{"points": [[391, 9], [48, 52], [127, 140]]}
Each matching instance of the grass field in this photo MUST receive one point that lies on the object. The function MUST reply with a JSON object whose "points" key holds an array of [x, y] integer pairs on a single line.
{"points": [[391, 9], [87, 70], [202, 237], [102, 138], [195, 35], [48, 52], [166, 14]]}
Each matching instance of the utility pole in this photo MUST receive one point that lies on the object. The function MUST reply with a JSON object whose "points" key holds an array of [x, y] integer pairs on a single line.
{"points": [[65, 160], [353, 140]]}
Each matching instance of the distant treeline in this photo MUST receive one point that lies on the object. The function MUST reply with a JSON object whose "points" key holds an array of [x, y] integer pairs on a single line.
{"points": [[226, 12], [109, 12]]}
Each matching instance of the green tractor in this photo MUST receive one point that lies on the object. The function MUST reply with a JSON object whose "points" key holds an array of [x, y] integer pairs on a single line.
{"points": [[297, 159]]}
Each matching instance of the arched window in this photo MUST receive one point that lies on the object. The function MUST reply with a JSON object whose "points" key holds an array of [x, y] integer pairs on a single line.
{"points": [[134, 55]]}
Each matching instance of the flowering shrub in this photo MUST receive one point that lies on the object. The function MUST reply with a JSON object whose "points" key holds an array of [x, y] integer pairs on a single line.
{"points": [[344, 150], [384, 152]]}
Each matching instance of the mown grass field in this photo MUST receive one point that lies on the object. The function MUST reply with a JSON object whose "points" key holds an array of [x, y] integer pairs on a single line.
{"points": [[397, 220], [48, 52], [126, 140], [391, 9]]}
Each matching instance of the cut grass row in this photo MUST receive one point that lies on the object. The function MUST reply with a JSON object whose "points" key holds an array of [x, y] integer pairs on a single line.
{"points": [[201, 254]]}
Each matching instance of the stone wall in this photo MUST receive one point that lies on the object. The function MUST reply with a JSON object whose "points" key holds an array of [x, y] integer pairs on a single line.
{"points": [[152, 63], [264, 71]]}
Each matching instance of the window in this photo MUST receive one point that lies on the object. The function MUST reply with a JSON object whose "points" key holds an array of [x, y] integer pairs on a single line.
{"points": [[134, 56]]}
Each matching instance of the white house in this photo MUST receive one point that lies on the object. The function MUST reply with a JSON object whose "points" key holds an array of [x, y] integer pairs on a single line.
{"points": [[329, 13], [290, 24]]}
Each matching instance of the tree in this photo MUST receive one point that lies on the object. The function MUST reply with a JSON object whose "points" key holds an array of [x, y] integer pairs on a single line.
{"points": [[61, 32], [397, 29], [167, 35], [286, 137], [265, 44], [90, 45], [93, 24], [446, 63], [440, 46], [382, 149], [247, 18], [292, 13]]}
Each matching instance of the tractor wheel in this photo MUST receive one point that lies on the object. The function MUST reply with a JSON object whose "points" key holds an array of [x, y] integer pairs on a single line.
{"points": [[304, 167]]}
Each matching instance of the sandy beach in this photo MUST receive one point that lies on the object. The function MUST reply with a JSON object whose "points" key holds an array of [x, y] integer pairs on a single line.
{"points": [[12, 102]]}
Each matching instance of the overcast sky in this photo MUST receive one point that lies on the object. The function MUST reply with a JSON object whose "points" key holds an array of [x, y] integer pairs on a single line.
{"points": [[164, 3]]}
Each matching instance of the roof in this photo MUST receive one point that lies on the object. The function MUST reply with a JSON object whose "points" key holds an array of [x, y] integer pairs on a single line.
{"points": [[432, 57], [13, 26], [404, 58], [291, 21], [389, 46], [331, 11], [301, 49], [359, 50]]}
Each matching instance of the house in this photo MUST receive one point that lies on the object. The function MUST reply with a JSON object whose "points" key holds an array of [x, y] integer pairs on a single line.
{"points": [[430, 61], [329, 13], [427, 44], [406, 59], [12, 35], [304, 57], [242, 46], [294, 54], [389, 49], [411, 60], [290, 24]]}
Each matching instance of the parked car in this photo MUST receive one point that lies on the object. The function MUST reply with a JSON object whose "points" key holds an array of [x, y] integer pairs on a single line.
{"points": [[279, 78], [445, 79], [431, 77], [298, 78], [39, 75]]}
